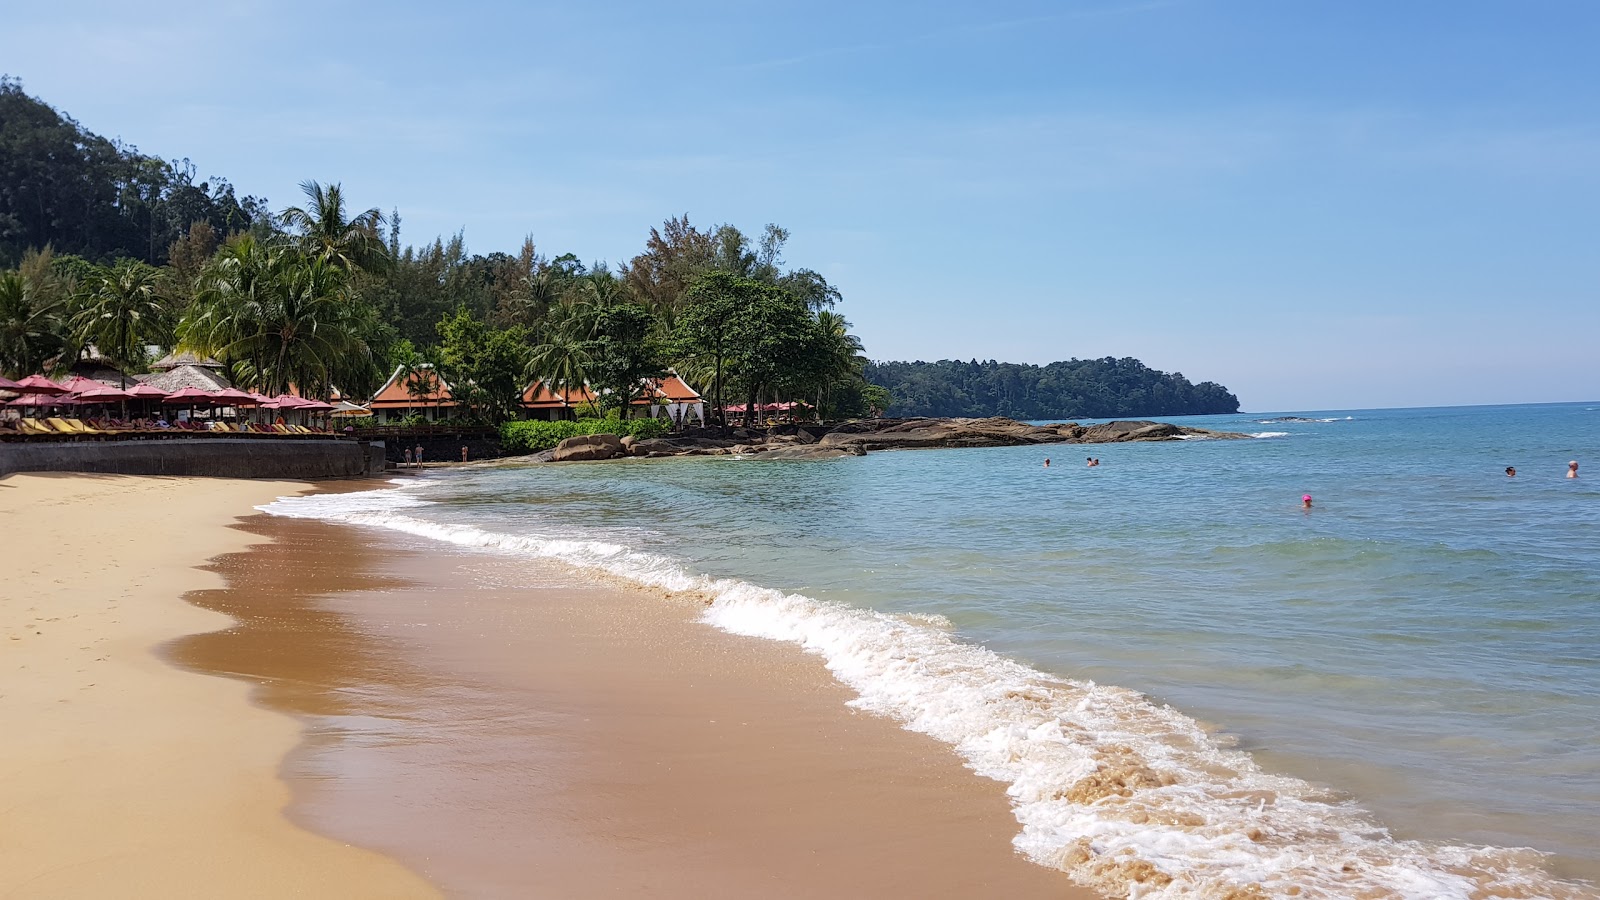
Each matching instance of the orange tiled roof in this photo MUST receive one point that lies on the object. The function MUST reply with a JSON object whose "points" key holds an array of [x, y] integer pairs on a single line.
{"points": [[540, 395], [395, 393]]}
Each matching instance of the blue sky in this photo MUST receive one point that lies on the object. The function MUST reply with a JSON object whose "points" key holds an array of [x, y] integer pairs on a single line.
{"points": [[1320, 205]]}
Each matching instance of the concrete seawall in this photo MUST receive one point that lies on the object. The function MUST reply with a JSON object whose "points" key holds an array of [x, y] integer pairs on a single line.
{"points": [[211, 457]]}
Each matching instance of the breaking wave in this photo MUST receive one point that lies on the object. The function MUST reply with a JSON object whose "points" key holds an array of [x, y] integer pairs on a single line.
{"points": [[1125, 795]]}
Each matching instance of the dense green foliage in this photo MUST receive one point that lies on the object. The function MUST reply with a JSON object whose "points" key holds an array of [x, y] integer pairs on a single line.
{"points": [[533, 436], [1087, 388]]}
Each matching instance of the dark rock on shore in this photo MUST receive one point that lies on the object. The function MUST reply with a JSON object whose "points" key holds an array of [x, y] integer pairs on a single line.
{"points": [[587, 447], [860, 437]]}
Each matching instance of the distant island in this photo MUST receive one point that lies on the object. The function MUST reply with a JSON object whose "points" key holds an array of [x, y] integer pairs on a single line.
{"points": [[1071, 389]]}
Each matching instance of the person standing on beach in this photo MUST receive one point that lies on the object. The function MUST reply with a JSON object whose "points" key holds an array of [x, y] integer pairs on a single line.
{"points": [[463, 453], [407, 452], [419, 456], [1572, 469]]}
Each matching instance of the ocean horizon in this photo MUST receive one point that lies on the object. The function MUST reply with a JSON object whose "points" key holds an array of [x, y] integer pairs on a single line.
{"points": [[1164, 659]]}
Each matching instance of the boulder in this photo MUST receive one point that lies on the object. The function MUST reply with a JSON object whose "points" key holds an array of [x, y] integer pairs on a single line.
{"points": [[588, 447], [813, 451]]}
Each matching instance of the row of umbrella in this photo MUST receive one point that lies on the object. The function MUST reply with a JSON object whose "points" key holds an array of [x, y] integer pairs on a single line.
{"points": [[37, 390]]}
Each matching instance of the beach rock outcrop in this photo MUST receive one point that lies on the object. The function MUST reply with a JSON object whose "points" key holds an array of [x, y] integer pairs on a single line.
{"points": [[811, 451], [858, 437], [587, 447]]}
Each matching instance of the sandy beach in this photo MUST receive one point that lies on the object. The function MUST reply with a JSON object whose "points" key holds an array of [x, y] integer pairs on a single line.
{"points": [[451, 723], [120, 774]]}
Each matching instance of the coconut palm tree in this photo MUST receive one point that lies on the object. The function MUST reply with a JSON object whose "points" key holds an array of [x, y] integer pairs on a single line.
{"points": [[841, 354], [31, 331], [122, 312], [291, 318], [327, 233]]}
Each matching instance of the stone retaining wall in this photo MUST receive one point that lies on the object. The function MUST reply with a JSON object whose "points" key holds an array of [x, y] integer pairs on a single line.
{"points": [[212, 457]]}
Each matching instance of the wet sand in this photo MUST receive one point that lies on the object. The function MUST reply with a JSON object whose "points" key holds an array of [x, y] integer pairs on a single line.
{"points": [[507, 729], [120, 775]]}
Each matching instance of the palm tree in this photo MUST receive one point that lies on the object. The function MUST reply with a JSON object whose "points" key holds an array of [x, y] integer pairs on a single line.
{"points": [[561, 362], [325, 232], [31, 330], [292, 318], [123, 311], [840, 353]]}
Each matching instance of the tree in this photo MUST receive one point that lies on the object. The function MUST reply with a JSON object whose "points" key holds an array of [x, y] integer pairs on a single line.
{"points": [[705, 329], [837, 354], [773, 339], [123, 311], [285, 318], [326, 233], [623, 354], [486, 367], [30, 326]]}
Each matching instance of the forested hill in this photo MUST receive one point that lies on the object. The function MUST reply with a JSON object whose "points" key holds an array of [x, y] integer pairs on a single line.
{"points": [[1073, 389], [64, 186]]}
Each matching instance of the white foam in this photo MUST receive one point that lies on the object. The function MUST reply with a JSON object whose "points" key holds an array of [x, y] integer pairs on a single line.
{"points": [[1270, 434], [1125, 795]]}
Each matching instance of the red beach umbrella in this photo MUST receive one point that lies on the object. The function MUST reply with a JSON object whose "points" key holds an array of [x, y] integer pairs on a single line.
{"points": [[43, 400], [146, 392], [104, 393], [236, 397], [38, 384], [7, 384], [190, 397]]}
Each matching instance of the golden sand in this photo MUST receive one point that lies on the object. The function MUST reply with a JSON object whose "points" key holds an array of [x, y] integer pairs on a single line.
{"points": [[121, 775]]}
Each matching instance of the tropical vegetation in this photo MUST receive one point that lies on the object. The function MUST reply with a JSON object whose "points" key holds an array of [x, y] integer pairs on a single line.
{"points": [[106, 248]]}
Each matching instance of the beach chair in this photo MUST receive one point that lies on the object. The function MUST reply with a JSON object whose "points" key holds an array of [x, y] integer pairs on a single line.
{"points": [[69, 426]]}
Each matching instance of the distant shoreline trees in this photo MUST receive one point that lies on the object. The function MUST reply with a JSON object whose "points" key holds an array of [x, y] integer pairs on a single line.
{"points": [[1086, 389]]}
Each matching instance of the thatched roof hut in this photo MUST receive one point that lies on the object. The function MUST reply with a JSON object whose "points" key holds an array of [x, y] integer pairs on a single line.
{"points": [[186, 358], [187, 377]]}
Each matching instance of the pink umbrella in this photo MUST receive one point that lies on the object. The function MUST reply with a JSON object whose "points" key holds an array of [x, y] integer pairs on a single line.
{"points": [[38, 384], [43, 400], [236, 397], [146, 392], [7, 384], [104, 393], [190, 397], [315, 406], [78, 384]]}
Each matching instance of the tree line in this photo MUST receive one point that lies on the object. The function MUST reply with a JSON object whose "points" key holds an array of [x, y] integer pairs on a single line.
{"points": [[111, 248], [1072, 389]]}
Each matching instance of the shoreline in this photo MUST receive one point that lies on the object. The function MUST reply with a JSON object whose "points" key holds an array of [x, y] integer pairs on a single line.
{"points": [[120, 773], [506, 727]]}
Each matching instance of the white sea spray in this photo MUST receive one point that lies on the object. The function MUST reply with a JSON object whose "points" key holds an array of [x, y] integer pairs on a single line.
{"points": [[1124, 794]]}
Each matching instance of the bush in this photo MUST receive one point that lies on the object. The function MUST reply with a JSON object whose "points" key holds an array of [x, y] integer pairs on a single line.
{"points": [[534, 436]]}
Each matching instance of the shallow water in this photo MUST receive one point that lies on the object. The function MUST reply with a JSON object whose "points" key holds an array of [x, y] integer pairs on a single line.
{"points": [[1423, 642]]}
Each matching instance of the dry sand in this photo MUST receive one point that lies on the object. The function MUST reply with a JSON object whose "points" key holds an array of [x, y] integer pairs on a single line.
{"points": [[121, 775]]}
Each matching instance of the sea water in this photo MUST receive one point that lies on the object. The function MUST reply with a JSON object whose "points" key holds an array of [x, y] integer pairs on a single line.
{"points": [[1188, 683]]}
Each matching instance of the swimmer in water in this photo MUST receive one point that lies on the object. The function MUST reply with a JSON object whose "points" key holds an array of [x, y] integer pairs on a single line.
{"points": [[1305, 502], [1572, 469], [1047, 462], [1511, 471]]}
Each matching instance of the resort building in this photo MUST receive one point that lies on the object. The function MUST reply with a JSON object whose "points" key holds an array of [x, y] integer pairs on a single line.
{"points": [[418, 392], [671, 398]]}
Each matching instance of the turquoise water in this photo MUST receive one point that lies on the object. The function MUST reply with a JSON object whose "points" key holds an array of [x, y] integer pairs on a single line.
{"points": [[1424, 642]]}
